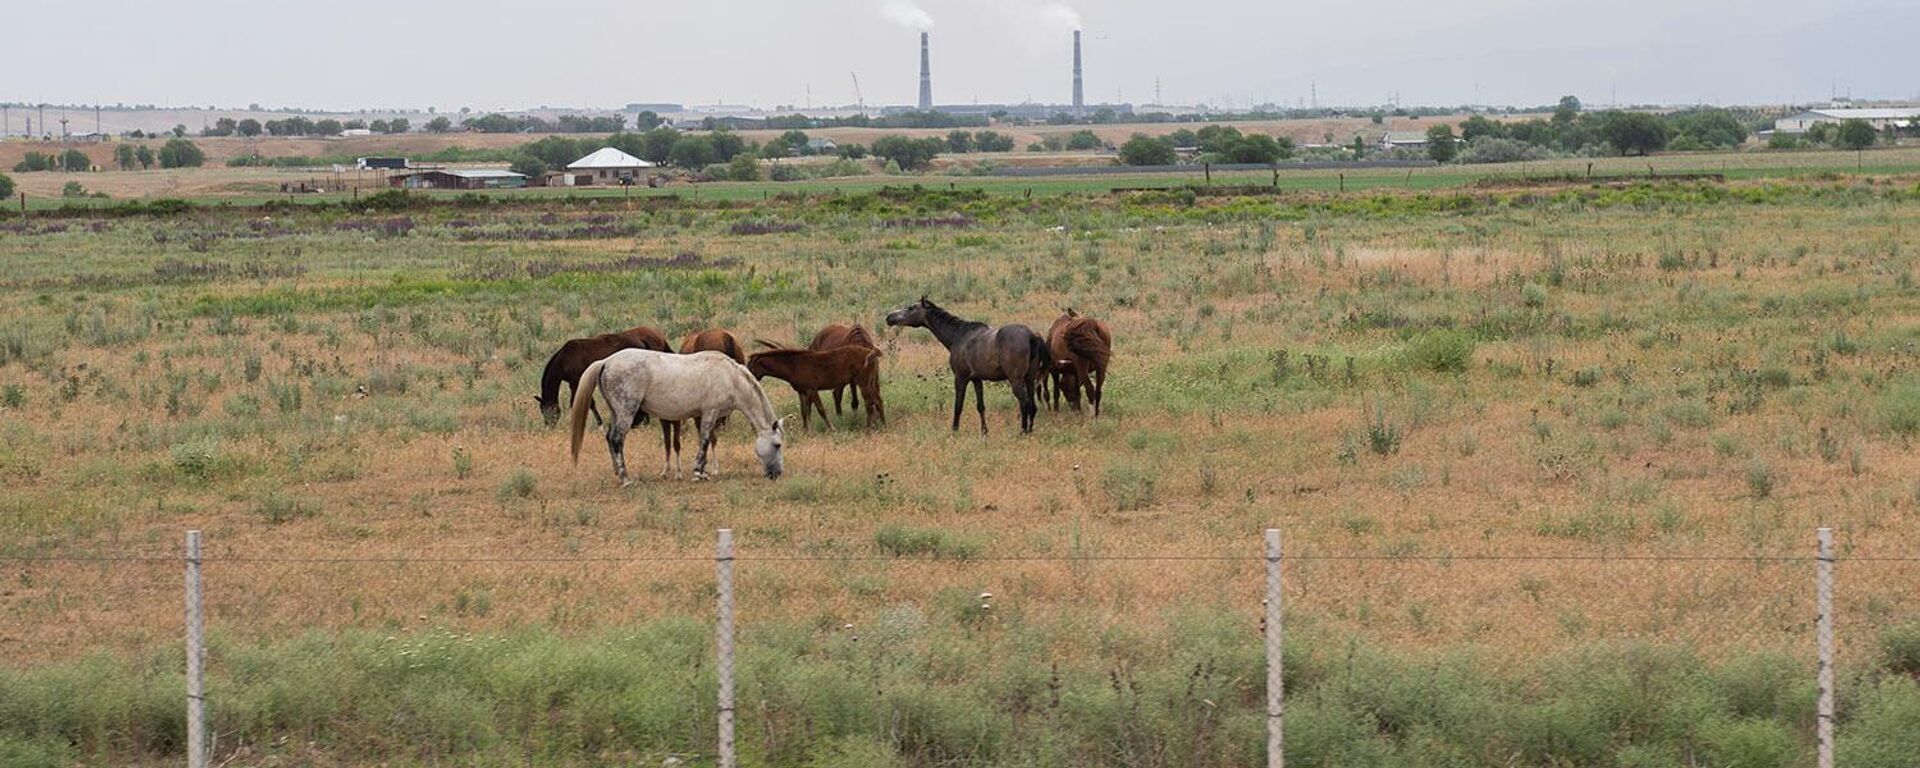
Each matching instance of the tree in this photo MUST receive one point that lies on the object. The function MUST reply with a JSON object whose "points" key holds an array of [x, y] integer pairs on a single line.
{"points": [[1566, 111], [796, 141], [554, 151], [123, 157], [528, 165], [1633, 132], [959, 142], [380, 126], [439, 125], [692, 152], [6, 186], [743, 167], [1479, 126], [992, 141], [248, 127], [1258, 148], [1440, 144], [145, 155], [1183, 138], [910, 154], [647, 120], [1708, 127], [327, 127], [73, 189], [851, 151], [657, 144], [399, 125], [1359, 147], [1855, 134], [1084, 140], [179, 130], [725, 145], [75, 160], [221, 127], [1147, 150], [180, 153]]}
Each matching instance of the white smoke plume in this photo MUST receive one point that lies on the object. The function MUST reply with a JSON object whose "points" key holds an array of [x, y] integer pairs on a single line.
{"points": [[906, 14], [1060, 16]]}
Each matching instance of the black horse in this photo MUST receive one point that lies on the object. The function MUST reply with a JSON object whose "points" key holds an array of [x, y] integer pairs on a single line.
{"points": [[979, 353]]}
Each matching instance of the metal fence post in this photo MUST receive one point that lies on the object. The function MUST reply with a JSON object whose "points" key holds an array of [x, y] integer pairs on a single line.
{"points": [[196, 661], [723, 565], [1824, 635], [1276, 757]]}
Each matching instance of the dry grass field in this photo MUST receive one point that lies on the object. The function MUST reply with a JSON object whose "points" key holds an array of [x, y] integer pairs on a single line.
{"points": [[1519, 429]]}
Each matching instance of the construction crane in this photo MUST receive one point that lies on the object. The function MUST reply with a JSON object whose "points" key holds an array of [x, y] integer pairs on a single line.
{"points": [[858, 100]]}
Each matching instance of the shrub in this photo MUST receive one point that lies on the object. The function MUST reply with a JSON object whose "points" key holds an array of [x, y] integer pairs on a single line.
{"points": [[1900, 650], [519, 485], [73, 189], [197, 459], [1129, 486], [1900, 408], [6, 187], [1383, 436], [1749, 744], [1880, 732], [1533, 295], [904, 541], [1441, 351], [180, 153], [1493, 149], [276, 509]]}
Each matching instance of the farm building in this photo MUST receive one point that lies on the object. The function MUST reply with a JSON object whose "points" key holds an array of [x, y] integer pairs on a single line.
{"points": [[609, 165], [479, 178], [822, 146], [370, 163], [1881, 118], [1403, 139]]}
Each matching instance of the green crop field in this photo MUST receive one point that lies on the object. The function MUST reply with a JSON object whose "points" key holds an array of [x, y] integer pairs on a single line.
{"points": [[1548, 460]]}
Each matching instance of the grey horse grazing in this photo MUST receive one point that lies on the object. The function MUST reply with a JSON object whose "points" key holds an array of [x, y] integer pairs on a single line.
{"points": [[977, 353], [705, 386]]}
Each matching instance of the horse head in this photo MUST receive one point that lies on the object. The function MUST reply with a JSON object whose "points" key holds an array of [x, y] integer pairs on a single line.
{"points": [[914, 314], [768, 447], [549, 409]]}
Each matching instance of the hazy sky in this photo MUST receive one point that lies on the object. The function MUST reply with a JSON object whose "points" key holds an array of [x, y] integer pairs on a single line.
{"points": [[501, 55]]}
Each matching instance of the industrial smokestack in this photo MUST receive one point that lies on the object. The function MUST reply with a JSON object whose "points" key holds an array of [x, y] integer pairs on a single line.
{"points": [[926, 77], [1078, 100]]}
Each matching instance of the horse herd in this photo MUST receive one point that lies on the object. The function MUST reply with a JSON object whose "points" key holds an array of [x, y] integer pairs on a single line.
{"points": [[640, 376]]}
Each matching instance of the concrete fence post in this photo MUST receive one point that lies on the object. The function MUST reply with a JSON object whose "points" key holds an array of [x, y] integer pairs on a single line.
{"points": [[196, 660], [723, 566], [1824, 638], [1276, 753]]}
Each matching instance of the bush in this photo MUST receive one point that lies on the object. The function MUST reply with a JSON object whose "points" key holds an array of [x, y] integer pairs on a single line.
{"points": [[1900, 408], [1129, 486], [1783, 141], [903, 541], [6, 187], [72, 189], [1146, 150], [180, 153], [519, 485], [743, 168], [1493, 149], [1441, 351]]}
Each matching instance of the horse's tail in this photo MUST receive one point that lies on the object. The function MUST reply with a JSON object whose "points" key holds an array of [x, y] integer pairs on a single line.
{"points": [[733, 350], [1084, 340], [858, 336], [1039, 357], [582, 400]]}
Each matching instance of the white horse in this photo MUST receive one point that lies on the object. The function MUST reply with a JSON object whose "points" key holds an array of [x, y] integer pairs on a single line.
{"points": [[705, 386]]}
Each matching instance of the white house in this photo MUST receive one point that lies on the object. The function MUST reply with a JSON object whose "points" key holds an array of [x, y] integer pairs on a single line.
{"points": [[1403, 139], [1881, 118], [610, 165]]}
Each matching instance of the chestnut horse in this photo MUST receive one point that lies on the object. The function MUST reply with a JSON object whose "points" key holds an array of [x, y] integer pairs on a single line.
{"points": [[1082, 347], [978, 353], [573, 358], [808, 372], [834, 337]]}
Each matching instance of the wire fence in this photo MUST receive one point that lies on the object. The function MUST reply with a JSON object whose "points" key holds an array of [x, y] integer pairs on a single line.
{"points": [[1001, 616]]}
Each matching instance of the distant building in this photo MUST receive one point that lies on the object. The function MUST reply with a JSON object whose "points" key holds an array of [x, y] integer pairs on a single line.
{"points": [[1403, 140], [371, 163], [350, 132], [822, 146], [1881, 118], [480, 178], [608, 166]]}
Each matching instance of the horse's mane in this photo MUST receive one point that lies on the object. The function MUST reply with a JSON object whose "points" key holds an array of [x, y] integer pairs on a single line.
{"points": [[948, 318]]}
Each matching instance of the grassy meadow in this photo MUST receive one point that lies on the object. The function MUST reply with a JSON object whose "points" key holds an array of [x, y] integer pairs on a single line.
{"points": [[1548, 462]]}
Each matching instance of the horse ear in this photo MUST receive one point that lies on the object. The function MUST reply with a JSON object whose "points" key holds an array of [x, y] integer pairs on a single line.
{"points": [[923, 298]]}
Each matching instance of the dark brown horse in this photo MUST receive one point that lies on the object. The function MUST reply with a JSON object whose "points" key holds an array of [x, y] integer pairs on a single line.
{"points": [[1082, 347], [978, 353], [573, 358], [837, 336], [808, 372]]}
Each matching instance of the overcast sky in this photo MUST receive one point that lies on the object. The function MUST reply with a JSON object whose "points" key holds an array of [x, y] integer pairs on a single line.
{"points": [[486, 54]]}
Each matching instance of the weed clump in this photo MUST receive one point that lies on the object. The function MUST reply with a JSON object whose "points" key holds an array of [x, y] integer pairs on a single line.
{"points": [[519, 485], [1440, 351], [906, 541]]}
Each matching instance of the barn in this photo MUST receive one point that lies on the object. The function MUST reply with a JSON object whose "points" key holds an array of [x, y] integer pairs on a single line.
{"points": [[478, 178], [609, 166], [1881, 118]]}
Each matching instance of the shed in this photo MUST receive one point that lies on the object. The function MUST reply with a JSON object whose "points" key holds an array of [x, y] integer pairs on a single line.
{"points": [[610, 165], [476, 178]]}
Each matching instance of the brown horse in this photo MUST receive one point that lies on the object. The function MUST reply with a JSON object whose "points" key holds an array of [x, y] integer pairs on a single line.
{"points": [[837, 336], [573, 358], [978, 353], [1082, 347], [808, 372]]}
